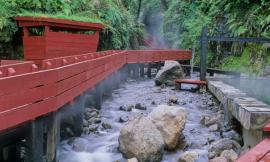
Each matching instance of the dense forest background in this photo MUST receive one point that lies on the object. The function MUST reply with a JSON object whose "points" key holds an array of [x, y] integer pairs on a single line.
{"points": [[166, 23]]}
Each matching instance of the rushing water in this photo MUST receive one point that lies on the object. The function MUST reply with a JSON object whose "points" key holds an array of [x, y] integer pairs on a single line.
{"points": [[102, 147]]}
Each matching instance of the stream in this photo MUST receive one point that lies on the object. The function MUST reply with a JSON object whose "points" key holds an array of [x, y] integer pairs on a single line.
{"points": [[103, 145]]}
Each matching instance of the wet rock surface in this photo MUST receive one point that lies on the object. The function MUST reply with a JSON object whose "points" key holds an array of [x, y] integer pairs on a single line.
{"points": [[141, 139], [169, 72], [170, 121], [101, 145]]}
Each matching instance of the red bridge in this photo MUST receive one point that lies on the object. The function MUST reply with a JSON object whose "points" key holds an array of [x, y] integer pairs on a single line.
{"points": [[61, 64]]}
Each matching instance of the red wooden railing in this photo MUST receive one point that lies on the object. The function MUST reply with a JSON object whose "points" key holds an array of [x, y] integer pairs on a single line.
{"points": [[28, 91]]}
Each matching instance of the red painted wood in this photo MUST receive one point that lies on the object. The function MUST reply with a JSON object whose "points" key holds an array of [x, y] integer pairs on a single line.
{"points": [[27, 96], [58, 44], [266, 128], [257, 153], [62, 79], [38, 21]]}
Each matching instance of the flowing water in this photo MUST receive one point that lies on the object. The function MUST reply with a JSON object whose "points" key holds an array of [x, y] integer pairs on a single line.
{"points": [[103, 146]]}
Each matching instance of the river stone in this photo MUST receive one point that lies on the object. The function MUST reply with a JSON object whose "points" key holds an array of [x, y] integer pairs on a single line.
{"points": [[140, 106], [125, 108], [123, 119], [213, 128], [219, 159], [173, 99], [229, 155], [171, 71], [132, 160], [233, 135], [216, 148], [207, 120], [170, 121], [106, 126], [140, 138], [194, 156]]}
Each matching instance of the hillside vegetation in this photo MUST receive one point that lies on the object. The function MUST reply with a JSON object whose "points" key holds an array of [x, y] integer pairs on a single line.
{"points": [[177, 22]]}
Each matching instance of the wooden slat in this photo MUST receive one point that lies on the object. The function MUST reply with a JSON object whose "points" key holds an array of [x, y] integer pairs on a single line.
{"points": [[27, 96]]}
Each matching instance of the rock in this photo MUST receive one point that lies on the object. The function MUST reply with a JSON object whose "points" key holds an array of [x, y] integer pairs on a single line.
{"points": [[223, 144], [85, 123], [132, 160], [233, 135], [139, 106], [86, 130], [153, 102], [213, 128], [210, 103], [207, 120], [219, 159], [126, 108], [171, 71], [94, 120], [189, 156], [106, 126], [173, 99], [194, 156], [170, 121], [93, 127], [140, 138], [88, 115], [230, 155], [123, 119]]}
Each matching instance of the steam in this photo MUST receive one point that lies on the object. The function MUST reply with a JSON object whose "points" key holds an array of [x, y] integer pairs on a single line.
{"points": [[254, 86], [153, 21]]}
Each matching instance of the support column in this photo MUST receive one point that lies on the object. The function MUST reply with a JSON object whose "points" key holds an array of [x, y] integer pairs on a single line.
{"points": [[136, 69], [204, 50], [142, 71], [53, 136], [149, 75], [35, 141], [98, 96]]}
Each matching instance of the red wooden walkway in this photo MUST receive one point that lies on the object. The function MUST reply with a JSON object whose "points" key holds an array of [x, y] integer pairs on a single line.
{"points": [[28, 91]]}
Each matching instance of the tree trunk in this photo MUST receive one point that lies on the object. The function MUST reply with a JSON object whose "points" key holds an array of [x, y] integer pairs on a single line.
{"points": [[139, 9]]}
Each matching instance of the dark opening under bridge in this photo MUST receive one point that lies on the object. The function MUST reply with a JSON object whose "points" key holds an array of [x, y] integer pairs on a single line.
{"points": [[60, 66]]}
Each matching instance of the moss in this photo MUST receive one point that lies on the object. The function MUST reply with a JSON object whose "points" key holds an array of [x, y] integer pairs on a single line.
{"points": [[62, 16]]}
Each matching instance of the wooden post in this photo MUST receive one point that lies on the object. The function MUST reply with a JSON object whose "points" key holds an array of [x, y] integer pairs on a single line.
{"points": [[142, 71], [53, 136], [136, 71], [204, 50], [34, 141], [98, 96], [149, 71]]}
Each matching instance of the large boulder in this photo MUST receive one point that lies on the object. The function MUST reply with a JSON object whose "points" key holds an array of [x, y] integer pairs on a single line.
{"points": [[170, 121], [171, 71], [140, 138]]}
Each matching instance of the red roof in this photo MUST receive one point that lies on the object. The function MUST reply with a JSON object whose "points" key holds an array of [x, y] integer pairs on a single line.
{"points": [[25, 21]]}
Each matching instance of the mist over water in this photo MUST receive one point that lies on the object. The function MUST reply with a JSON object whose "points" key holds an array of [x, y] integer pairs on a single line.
{"points": [[257, 87]]}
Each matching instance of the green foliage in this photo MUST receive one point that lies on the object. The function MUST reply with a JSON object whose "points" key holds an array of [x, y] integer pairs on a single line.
{"points": [[121, 31], [252, 61]]}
